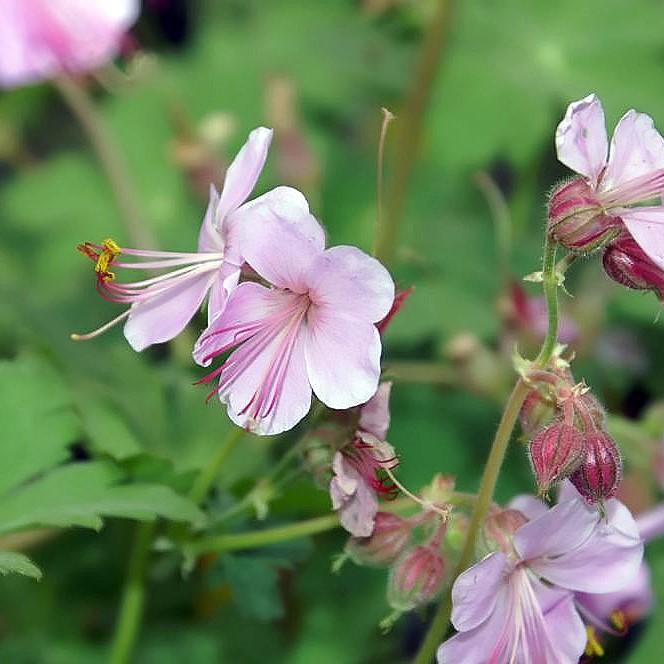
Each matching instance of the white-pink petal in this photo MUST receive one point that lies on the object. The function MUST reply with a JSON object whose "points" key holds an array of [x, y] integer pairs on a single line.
{"points": [[637, 148], [343, 358], [163, 317], [40, 39], [282, 239], [581, 140], [353, 498], [242, 174], [646, 225], [210, 239], [348, 280], [375, 414]]}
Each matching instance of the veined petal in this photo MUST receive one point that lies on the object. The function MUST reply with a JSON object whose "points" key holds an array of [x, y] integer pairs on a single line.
{"points": [[646, 225], [637, 148], [209, 237], [279, 238], [581, 140], [556, 532], [163, 317], [475, 591], [248, 309], [351, 282], [375, 414], [242, 174], [269, 392], [343, 358]]}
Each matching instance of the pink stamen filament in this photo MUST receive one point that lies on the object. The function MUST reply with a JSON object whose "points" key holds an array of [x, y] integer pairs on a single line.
{"points": [[100, 330], [638, 189]]}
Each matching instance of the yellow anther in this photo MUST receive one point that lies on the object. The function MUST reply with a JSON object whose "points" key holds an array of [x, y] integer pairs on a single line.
{"points": [[618, 620], [593, 646], [111, 250]]}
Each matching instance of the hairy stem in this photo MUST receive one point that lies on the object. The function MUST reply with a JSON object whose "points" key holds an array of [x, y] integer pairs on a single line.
{"points": [[409, 131], [440, 622], [112, 162]]}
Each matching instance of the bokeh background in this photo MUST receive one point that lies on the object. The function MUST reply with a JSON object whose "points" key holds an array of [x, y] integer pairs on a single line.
{"points": [[203, 74]]}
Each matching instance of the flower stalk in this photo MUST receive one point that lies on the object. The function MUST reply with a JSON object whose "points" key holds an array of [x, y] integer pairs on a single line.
{"points": [[440, 622]]}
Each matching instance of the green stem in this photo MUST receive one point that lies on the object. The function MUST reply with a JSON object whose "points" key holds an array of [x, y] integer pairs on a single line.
{"points": [[133, 596], [494, 462], [209, 474], [409, 131], [112, 162]]}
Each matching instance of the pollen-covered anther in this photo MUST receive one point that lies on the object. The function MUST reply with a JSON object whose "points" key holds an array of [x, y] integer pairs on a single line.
{"points": [[110, 250], [593, 647]]}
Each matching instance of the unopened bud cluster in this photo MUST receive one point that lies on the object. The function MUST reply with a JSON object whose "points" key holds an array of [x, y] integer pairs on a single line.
{"points": [[567, 426]]}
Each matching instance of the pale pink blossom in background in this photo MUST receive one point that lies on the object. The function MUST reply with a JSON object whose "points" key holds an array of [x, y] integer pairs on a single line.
{"points": [[517, 606], [161, 306], [312, 329], [40, 39], [625, 181], [356, 484]]}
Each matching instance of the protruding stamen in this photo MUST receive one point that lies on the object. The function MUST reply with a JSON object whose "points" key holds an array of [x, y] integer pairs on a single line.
{"points": [[593, 646], [100, 330]]}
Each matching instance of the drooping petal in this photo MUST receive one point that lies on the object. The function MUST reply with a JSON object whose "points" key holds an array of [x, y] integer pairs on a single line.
{"points": [[607, 561], [581, 140], [349, 281], [353, 498], [475, 591], [279, 238], [646, 225], [43, 38], [343, 358], [637, 148], [270, 392], [557, 531], [242, 174], [375, 414], [248, 306], [210, 239], [163, 317]]}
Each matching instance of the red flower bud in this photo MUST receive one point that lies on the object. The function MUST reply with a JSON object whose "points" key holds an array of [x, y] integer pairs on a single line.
{"points": [[390, 537], [577, 220], [626, 263], [599, 475], [555, 453], [416, 578]]}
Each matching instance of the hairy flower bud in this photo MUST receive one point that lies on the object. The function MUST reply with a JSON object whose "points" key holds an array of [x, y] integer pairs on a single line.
{"points": [[577, 220], [555, 453], [390, 537], [416, 578], [535, 413], [626, 263], [599, 474]]}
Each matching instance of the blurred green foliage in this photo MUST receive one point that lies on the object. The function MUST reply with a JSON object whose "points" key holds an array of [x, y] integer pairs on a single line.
{"points": [[94, 430]]}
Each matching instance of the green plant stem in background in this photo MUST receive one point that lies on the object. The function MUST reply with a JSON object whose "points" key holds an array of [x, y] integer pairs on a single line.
{"points": [[112, 162], [210, 473], [410, 121], [494, 462], [133, 596]]}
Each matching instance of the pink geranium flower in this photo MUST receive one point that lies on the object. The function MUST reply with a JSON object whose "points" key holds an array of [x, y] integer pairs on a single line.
{"points": [[622, 184], [356, 484], [40, 39], [312, 327], [517, 606], [161, 306]]}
